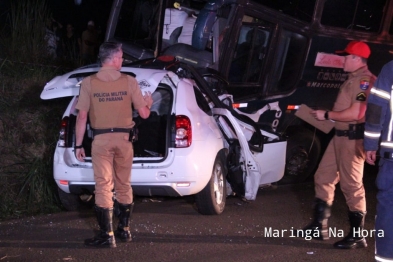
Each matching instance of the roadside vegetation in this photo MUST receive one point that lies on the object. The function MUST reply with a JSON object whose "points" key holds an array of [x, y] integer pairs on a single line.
{"points": [[28, 125]]}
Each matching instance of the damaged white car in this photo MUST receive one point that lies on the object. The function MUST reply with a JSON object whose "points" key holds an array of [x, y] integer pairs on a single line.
{"points": [[193, 143]]}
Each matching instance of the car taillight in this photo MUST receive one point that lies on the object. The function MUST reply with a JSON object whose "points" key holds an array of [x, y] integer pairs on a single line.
{"points": [[63, 132], [183, 131]]}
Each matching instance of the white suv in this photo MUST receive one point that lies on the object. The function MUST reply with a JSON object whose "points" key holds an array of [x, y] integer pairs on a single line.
{"points": [[192, 143]]}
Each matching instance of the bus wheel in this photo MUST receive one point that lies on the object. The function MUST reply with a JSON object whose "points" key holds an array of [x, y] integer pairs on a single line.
{"points": [[303, 154]]}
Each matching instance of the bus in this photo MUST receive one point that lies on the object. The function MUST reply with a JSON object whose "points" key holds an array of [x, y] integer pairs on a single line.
{"points": [[273, 55]]}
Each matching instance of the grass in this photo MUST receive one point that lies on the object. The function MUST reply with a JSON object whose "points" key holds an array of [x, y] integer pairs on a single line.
{"points": [[28, 133], [28, 125]]}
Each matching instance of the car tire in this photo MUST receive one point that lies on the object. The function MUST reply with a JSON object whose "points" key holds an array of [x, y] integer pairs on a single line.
{"points": [[211, 200], [303, 154], [73, 202]]}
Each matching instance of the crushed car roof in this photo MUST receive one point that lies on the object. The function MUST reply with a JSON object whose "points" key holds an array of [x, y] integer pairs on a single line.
{"points": [[69, 83]]}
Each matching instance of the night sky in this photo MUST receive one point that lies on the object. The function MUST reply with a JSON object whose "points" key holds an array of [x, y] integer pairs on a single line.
{"points": [[65, 11]]}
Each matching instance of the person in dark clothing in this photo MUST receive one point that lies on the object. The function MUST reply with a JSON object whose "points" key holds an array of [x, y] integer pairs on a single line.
{"points": [[378, 137], [70, 43]]}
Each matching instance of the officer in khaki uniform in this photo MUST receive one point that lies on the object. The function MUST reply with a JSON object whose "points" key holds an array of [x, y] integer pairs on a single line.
{"points": [[106, 97], [344, 157]]}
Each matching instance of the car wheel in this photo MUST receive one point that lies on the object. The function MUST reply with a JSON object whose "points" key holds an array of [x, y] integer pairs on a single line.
{"points": [[73, 202], [211, 200], [303, 154]]}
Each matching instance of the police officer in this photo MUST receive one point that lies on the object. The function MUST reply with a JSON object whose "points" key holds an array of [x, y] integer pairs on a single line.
{"points": [[344, 157], [106, 97], [378, 133]]}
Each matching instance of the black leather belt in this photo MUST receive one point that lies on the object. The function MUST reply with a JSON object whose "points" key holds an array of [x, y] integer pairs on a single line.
{"points": [[342, 132], [355, 131], [110, 130]]}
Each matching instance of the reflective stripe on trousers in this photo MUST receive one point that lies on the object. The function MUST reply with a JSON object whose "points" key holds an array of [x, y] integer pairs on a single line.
{"points": [[383, 221]]}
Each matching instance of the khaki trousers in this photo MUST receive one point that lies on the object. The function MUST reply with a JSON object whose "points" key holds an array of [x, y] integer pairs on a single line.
{"points": [[342, 162], [112, 156]]}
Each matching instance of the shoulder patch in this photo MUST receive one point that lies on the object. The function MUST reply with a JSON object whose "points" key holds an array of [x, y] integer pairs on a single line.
{"points": [[364, 84], [361, 96]]}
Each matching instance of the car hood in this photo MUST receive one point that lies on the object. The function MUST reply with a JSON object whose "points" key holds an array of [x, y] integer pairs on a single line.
{"points": [[69, 83]]}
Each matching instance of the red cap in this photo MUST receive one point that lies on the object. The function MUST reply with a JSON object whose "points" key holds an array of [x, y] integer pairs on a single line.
{"points": [[356, 48]]}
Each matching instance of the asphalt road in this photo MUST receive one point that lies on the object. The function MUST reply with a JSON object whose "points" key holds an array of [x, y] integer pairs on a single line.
{"points": [[170, 229]]}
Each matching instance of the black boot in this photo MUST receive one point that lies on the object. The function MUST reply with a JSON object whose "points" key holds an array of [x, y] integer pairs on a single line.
{"points": [[355, 238], [318, 228], [105, 237], [124, 215]]}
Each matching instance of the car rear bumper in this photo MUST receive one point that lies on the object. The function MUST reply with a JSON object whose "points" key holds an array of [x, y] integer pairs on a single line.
{"points": [[160, 189], [141, 190], [178, 175]]}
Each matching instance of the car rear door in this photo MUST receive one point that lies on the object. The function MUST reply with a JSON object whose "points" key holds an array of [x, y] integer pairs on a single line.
{"points": [[262, 153]]}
